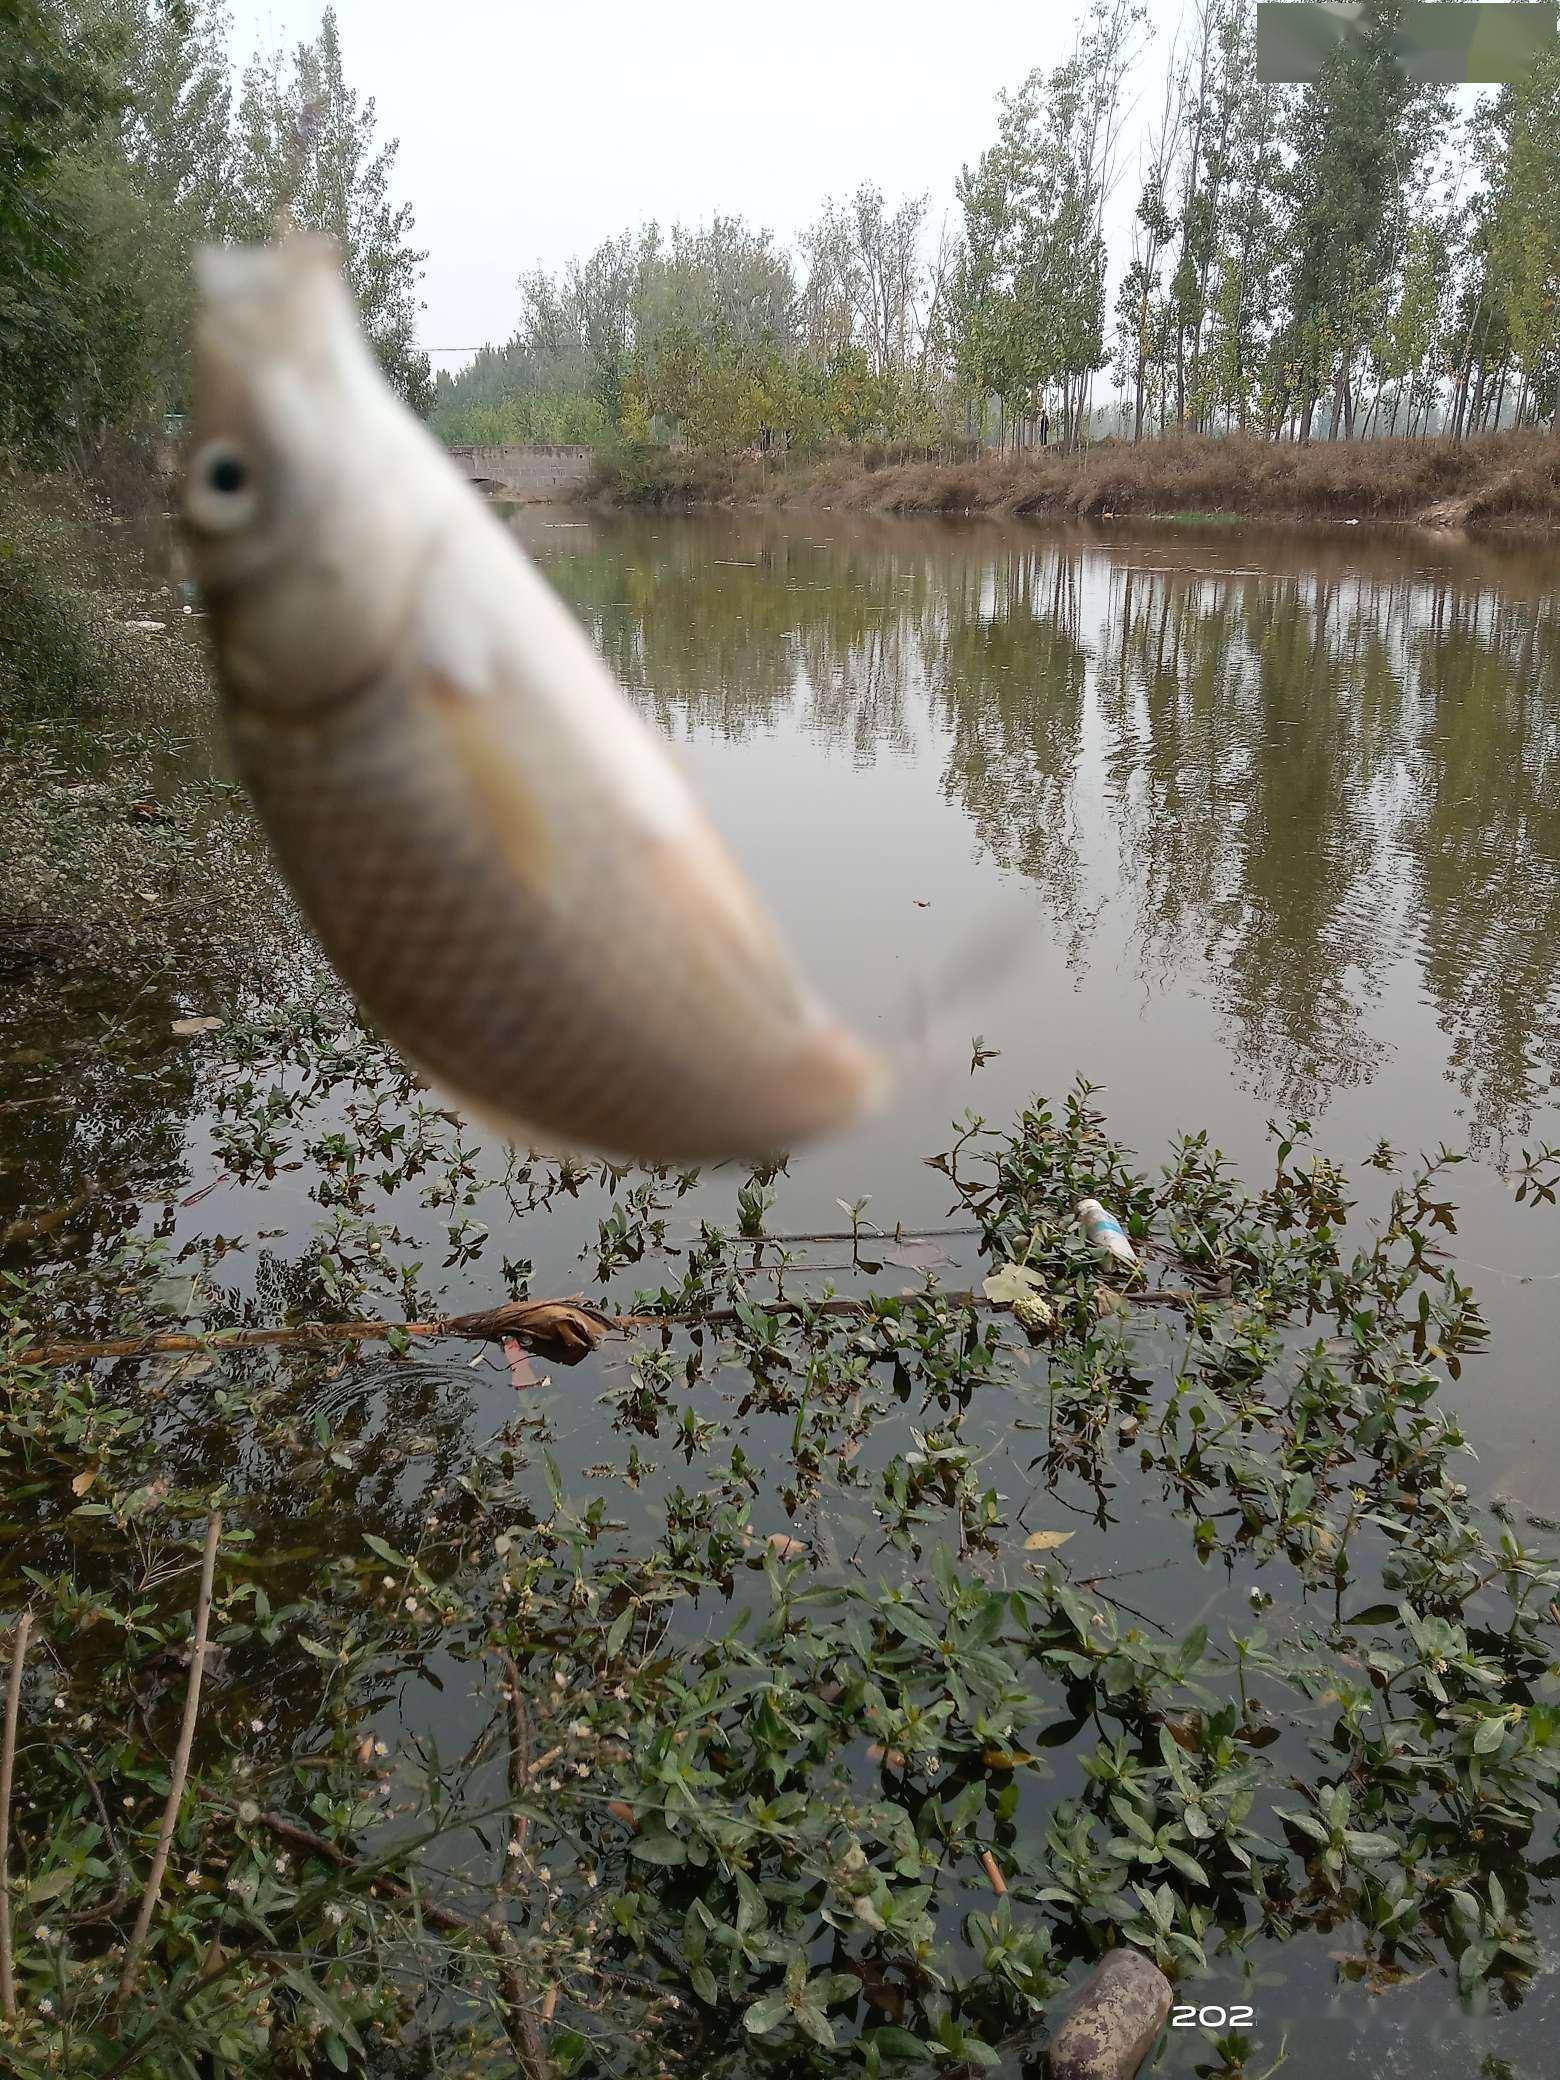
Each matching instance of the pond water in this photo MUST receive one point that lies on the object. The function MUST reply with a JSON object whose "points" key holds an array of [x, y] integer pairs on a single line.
{"points": [[1238, 823], [1242, 825]]}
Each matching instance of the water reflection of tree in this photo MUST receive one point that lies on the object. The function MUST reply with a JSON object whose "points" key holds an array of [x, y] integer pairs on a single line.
{"points": [[1312, 770], [719, 629], [1304, 771], [1483, 831], [1008, 691], [1247, 724], [1301, 938]]}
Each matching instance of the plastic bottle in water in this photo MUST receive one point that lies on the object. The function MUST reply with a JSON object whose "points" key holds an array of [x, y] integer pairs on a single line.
{"points": [[1105, 1232]]}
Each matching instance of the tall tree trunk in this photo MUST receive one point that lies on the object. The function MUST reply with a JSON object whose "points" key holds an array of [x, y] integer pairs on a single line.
{"points": [[1476, 408]]}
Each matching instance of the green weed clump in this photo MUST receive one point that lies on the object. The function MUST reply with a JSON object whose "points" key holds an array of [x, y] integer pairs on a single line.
{"points": [[758, 1722]]}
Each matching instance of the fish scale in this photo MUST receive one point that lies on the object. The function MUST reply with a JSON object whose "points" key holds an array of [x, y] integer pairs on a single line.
{"points": [[470, 978], [499, 857]]}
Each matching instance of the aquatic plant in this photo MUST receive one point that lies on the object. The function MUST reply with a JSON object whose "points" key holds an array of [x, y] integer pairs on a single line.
{"points": [[826, 1761]]}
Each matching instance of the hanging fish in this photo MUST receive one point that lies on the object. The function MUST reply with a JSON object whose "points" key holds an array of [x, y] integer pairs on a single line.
{"points": [[1105, 1232], [499, 856]]}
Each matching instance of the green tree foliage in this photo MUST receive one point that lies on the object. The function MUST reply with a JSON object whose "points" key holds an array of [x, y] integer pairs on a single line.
{"points": [[1349, 257], [1032, 294], [121, 155], [305, 148], [56, 93], [1352, 141], [714, 336], [1511, 304]]}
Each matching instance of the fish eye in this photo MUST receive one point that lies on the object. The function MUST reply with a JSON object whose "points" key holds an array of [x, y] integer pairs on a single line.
{"points": [[227, 473], [220, 489]]}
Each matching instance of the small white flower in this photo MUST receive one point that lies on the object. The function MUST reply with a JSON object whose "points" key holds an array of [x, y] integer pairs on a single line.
{"points": [[46, 2006], [411, 1603], [389, 1581], [45, 1935], [281, 1866], [59, 1704], [544, 1873], [257, 1726], [380, 1748], [249, 1812], [933, 1765], [514, 1848]]}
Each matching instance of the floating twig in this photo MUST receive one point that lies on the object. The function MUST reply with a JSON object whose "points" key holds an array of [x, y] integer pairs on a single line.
{"points": [[566, 1330], [181, 1763], [562, 1329]]}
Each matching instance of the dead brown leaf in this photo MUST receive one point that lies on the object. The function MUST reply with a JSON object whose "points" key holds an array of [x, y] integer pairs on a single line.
{"points": [[567, 1330]]}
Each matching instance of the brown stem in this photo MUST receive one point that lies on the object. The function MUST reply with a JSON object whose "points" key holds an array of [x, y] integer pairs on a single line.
{"points": [[13, 1712], [181, 1764], [519, 2022], [530, 2056], [519, 1765], [563, 1329]]}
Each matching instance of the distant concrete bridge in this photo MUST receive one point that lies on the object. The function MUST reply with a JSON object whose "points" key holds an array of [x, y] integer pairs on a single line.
{"points": [[531, 476]]}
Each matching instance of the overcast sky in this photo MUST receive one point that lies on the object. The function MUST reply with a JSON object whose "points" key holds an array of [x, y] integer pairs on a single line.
{"points": [[532, 131]]}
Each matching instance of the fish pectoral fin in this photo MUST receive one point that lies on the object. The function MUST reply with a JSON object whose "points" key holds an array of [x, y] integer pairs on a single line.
{"points": [[513, 812]]}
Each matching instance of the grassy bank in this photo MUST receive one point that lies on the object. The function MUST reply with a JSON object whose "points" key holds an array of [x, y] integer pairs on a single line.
{"points": [[1505, 480]]}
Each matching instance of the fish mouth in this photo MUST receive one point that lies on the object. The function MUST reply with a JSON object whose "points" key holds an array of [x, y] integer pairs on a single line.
{"points": [[261, 305]]}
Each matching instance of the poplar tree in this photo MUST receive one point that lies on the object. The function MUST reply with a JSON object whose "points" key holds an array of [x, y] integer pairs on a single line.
{"points": [[307, 150]]}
